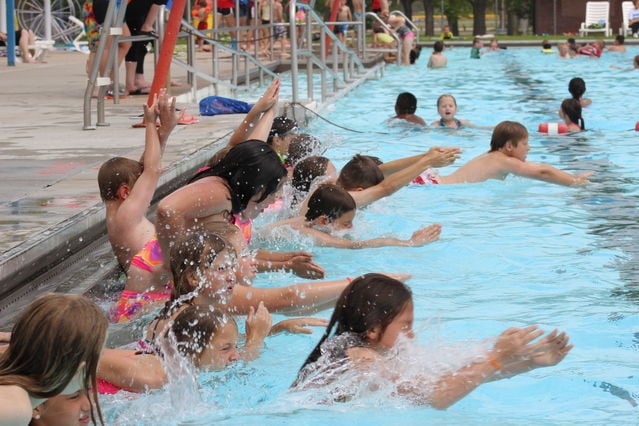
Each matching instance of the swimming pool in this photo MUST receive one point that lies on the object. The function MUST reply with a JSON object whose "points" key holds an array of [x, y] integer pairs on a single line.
{"points": [[512, 253]]}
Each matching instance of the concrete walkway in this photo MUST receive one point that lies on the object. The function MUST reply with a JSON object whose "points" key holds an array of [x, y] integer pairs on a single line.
{"points": [[49, 200]]}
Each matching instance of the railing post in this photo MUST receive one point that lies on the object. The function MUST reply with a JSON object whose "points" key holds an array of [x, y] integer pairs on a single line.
{"points": [[294, 61]]}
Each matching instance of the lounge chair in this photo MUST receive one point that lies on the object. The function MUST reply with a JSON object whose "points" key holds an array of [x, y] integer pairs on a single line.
{"points": [[597, 18], [626, 7]]}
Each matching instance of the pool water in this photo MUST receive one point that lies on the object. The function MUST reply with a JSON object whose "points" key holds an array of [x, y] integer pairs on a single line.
{"points": [[512, 253]]}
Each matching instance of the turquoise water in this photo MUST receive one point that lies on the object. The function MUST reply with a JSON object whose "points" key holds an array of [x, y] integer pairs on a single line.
{"points": [[512, 253]]}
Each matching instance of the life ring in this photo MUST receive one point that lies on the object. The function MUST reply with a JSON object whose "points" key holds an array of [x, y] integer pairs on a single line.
{"points": [[637, 126], [553, 128]]}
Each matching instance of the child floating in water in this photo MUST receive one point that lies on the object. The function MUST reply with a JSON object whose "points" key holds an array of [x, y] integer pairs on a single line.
{"points": [[508, 150], [570, 111], [447, 108], [405, 107], [369, 318], [332, 209]]}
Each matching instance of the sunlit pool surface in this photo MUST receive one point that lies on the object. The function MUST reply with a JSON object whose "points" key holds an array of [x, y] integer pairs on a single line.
{"points": [[512, 253]]}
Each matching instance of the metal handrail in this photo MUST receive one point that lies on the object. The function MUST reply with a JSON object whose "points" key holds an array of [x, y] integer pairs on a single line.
{"points": [[351, 60], [398, 45], [410, 23]]}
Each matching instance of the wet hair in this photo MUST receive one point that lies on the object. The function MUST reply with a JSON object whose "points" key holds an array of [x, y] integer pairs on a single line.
{"points": [[194, 327], [444, 96], [577, 87], [360, 172], [406, 103], [369, 301], [281, 125], [546, 44], [438, 46], [249, 168], [636, 61], [116, 172], [620, 39], [190, 256], [507, 131], [218, 156], [306, 171], [331, 201], [302, 146], [50, 341], [572, 108]]}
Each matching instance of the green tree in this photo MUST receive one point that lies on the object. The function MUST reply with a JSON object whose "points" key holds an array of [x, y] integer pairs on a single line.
{"points": [[479, 16]]}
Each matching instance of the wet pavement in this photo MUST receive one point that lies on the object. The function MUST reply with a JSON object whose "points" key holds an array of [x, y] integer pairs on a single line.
{"points": [[49, 200]]}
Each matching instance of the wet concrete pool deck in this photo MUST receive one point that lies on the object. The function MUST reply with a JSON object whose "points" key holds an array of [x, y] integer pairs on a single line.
{"points": [[49, 200]]}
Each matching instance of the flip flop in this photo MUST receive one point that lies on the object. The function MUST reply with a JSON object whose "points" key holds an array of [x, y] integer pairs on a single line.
{"points": [[186, 118], [110, 94]]}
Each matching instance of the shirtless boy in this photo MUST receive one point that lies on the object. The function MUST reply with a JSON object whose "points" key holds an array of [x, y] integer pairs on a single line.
{"points": [[127, 187], [508, 150]]}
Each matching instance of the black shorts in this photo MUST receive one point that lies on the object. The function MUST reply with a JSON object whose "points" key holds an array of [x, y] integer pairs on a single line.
{"points": [[226, 11]]}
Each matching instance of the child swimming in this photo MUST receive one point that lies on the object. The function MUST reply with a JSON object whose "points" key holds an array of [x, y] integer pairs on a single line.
{"points": [[570, 112], [577, 88], [369, 318], [206, 338], [508, 150], [447, 108], [405, 107], [332, 209]]}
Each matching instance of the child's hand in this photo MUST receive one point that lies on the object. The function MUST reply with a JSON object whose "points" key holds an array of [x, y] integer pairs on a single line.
{"points": [[151, 112], [554, 347], [303, 266], [582, 179], [443, 156], [425, 235], [269, 98], [298, 325], [166, 111], [513, 345], [258, 324]]}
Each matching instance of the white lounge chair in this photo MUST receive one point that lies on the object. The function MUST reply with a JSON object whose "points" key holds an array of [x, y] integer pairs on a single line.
{"points": [[597, 18], [79, 45], [626, 6]]}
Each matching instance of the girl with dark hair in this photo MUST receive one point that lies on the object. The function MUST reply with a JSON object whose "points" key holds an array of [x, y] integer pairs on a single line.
{"points": [[331, 210], [54, 349], [577, 88], [375, 310], [243, 183], [570, 111]]}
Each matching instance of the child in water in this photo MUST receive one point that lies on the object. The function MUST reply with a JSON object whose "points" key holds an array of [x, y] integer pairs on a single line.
{"points": [[369, 318], [508, 150], [447, 108], [577, 88], [331, 209], [570, 112], [405, 107]]}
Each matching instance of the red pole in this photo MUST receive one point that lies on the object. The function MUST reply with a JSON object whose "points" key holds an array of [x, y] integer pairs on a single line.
{"points": [[334, 10], [160, 79]]}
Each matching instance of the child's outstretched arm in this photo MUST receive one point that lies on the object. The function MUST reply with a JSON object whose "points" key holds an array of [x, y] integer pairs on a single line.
{"points": [[168, 117], [419, 238], [298, 325], [299, 263], [126, 370], [435, 157], [136, 204], [513, 353], [547, 173], [255, 125], [444, 159]]}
